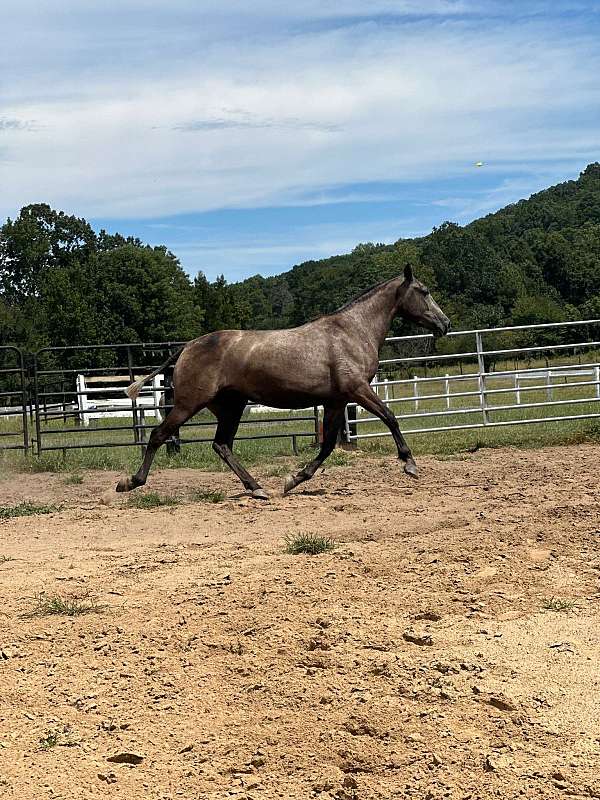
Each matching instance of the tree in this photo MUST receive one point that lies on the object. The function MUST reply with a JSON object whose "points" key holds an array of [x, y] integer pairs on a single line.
{"points": [[38, 241], [143, 294], [63, 285]]}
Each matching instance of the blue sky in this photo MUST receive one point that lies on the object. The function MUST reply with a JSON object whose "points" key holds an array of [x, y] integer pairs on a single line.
{"points": [[248, 137]]}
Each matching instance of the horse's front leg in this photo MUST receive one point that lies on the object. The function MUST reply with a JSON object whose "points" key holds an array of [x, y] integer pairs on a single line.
{"points": [[366, 397]]}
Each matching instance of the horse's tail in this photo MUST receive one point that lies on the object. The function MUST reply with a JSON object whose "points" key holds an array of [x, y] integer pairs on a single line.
{"points": [[134, 389]]}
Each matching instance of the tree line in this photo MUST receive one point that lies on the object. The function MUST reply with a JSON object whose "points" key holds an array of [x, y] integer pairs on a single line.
{"points": [[61, 283], [537, 260]]}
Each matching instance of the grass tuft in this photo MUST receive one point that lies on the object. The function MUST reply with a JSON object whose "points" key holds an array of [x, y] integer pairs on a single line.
{"points": [[49, 739], [152, 500], [278, 471], [4, 559], [53, 737], [207, 496], [72, 480], [25, 510], [48, 605], [339, 458], [558, 604], [309, 543]]}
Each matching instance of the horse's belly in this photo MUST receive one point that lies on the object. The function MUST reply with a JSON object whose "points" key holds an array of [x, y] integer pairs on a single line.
{"points": [[277, 399], [282, 371]]}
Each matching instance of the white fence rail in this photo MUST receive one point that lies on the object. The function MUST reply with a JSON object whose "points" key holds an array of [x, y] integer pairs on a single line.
{"points": [[477, 395], [97, 397]]}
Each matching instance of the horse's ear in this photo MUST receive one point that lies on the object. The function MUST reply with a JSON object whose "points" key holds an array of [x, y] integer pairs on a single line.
{"points": [[408, 273]]}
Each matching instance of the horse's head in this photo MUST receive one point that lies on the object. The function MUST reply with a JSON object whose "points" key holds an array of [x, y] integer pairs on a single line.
{"points": [[416, 304]]}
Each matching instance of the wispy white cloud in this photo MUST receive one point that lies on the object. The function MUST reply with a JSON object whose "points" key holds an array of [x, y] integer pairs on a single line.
{"points": [[145, 111], [13, 124], [238, 256]]}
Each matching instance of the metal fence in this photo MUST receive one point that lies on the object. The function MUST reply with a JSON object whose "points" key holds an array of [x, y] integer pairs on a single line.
{"points": [[498, 379], [79, 402], [72, 397]]}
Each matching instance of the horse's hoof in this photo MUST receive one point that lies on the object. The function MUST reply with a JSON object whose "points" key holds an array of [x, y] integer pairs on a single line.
{"points": [[259, 494], [411, 469], [124, 485], [289, 484]]}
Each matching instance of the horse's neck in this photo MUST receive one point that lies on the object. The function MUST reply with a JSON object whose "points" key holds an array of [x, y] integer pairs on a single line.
{"points": [[371, 317]]}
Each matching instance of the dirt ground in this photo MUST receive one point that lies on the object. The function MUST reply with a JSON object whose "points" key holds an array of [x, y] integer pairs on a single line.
{"points": [[448, 648]]}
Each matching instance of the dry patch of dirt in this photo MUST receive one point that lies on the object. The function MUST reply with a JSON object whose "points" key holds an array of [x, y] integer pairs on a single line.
{"points": [[448, 648]]}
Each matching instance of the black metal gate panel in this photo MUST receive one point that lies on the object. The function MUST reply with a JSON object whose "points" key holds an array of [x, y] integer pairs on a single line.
{"points": [[15, 409], [79, 401]]}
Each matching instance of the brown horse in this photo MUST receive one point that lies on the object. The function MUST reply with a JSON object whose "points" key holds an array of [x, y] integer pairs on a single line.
{"points": [[329, 361]]}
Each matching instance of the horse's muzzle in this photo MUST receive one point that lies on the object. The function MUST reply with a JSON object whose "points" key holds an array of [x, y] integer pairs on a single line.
{"points": [[443, 327]]}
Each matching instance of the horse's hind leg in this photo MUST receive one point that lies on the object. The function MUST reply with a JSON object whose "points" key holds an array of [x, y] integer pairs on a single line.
{"points": [[333, 420], [228, 411], [167, 428]]}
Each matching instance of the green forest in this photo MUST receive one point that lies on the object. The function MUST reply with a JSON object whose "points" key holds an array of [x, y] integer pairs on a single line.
{"points": [[62, 283]]}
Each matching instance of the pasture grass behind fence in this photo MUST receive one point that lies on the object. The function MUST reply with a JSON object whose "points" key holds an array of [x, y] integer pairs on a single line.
{"points": [[276, 457], [466, 410]]}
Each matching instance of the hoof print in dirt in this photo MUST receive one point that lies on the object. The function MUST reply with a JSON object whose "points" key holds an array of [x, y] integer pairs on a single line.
{"points": [[429, 616], [498, 701], [422, 639], [126, 758], [360, 727]]}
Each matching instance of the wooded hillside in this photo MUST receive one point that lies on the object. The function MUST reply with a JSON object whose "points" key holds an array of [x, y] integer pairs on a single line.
{"points": [[62, 283]]}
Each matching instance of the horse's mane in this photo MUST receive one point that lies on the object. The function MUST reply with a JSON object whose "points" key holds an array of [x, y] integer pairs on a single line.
{"points": [[362, 296]]}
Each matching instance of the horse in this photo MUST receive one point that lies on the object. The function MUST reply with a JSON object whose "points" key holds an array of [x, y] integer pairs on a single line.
{"points": [[329, 361]]}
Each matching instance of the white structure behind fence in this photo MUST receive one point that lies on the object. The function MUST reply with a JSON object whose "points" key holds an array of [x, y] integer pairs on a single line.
{"points": [[98, 397]]}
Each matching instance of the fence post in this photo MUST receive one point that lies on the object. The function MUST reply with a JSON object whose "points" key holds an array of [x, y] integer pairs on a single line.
{"points": [[481, 377], [82, 400], [548, 385], [597, 379], [156, 396], [36, 400], [386, 390], [317, 429], [350, 427], [142, 428], [447, 388], [416, 392], [24, 400]]}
